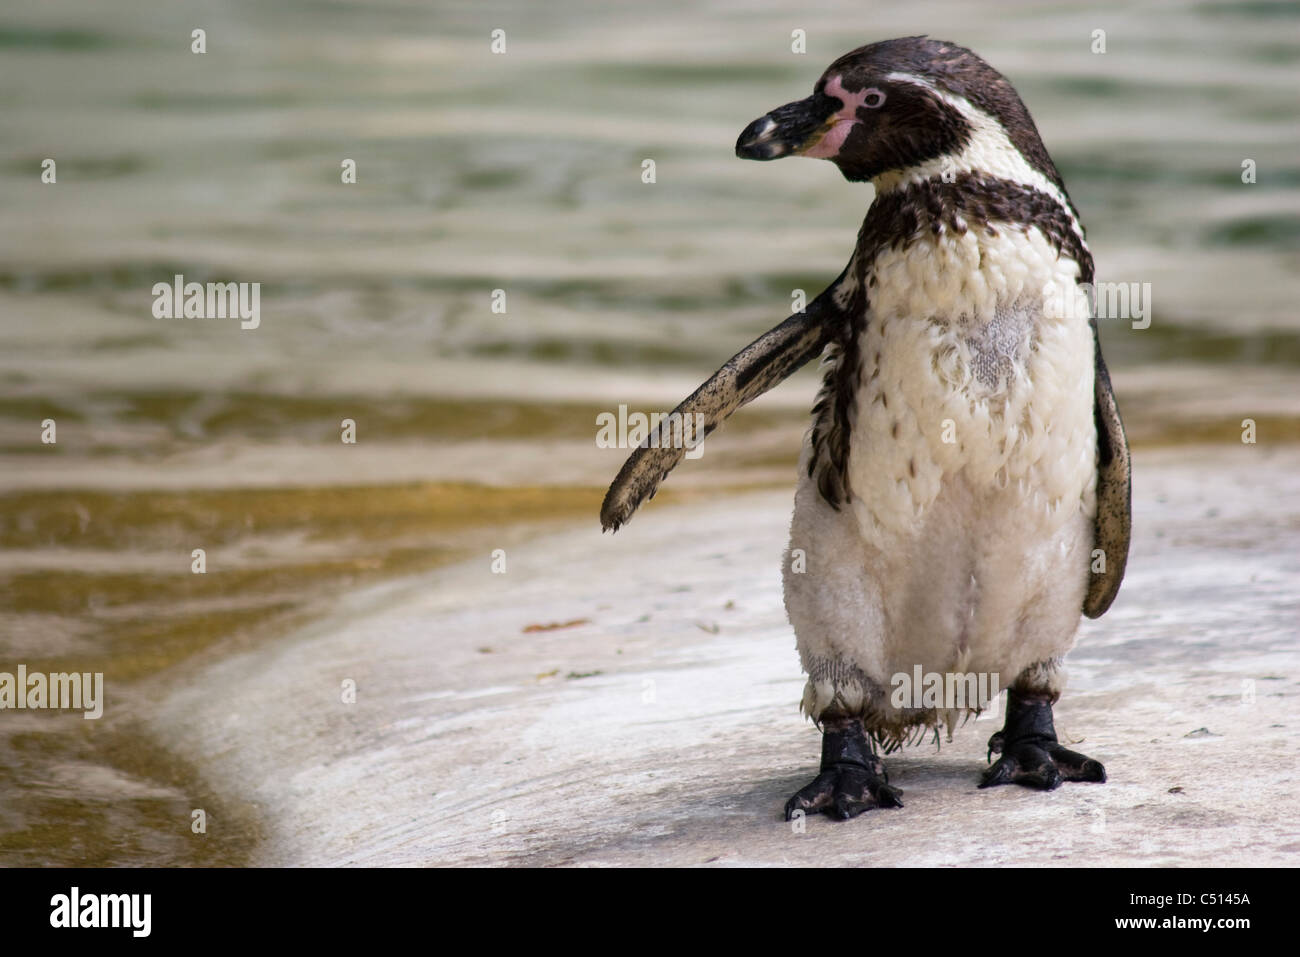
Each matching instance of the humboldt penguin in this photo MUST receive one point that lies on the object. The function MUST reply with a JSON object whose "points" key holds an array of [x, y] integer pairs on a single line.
{"points": [[963, 491]]}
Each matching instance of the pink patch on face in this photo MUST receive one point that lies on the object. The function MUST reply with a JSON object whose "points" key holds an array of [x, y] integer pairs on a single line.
{"points": [[842, 122]]}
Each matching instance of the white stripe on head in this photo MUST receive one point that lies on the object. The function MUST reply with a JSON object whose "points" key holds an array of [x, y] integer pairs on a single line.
{"points": [[989, 151]]}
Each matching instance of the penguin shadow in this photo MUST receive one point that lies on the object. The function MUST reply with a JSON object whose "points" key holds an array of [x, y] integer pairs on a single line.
{"points": [[920, 777]]}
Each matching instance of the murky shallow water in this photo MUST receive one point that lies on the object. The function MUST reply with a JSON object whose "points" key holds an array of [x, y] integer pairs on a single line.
{"points": [[477, 172]]}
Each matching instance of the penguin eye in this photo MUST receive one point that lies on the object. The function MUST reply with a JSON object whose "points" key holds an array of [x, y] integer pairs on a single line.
{"points": [[874, 98]]}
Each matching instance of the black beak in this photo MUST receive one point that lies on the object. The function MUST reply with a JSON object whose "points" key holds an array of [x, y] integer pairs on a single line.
{"points": [[787, 129]]}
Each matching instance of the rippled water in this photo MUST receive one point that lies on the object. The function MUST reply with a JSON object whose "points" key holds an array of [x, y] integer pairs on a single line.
{"points": [[476, 172]]}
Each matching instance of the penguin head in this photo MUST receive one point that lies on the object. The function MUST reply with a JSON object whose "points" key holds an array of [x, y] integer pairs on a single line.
{"points": [[891, 106]]}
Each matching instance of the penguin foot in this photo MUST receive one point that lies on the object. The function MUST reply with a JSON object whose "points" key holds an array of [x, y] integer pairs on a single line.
{"points": [[1031, 754], [852, 778]]}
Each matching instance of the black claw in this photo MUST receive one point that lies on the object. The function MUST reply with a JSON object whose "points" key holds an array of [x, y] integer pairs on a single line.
{"points": [[1044, 777], [1077, 767], [888, 797], [1001, 773], [995, 745], [847, 808], [813, 797]]}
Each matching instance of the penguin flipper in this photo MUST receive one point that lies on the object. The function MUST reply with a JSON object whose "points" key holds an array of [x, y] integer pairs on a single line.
{"points": [[761, 366], [1114, 494]]}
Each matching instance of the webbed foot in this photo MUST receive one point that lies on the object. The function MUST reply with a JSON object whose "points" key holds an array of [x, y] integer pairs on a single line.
{"points": [[1031, 754], [852, 778]]}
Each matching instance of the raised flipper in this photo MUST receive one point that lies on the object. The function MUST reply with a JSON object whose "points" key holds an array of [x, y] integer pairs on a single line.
{"points": [[762, 365], [1114, 496]]}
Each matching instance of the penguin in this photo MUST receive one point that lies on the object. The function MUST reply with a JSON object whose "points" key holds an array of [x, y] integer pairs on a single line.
{"points": [[963, 491]]}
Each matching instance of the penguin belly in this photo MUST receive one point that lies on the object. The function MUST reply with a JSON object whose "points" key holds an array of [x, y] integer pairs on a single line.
{"points": [[965, 544]]}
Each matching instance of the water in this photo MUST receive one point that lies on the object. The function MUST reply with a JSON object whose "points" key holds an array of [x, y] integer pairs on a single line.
{"points": [[476, 172]]}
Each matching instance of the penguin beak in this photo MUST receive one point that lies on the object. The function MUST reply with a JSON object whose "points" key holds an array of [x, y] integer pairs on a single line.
{"points": [[788, 129]]}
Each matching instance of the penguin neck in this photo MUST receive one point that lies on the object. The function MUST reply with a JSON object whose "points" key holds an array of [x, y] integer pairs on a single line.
{"points": [[906, 208]]}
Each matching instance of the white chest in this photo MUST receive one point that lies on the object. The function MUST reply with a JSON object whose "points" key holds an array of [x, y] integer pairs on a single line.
{"points": [[977, 367]]}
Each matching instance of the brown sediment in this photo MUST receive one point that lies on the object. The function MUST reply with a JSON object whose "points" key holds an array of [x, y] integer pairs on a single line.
{"points": [[76, 518], [1149, 432], [166, 421], [140, 620], [98, 794], [102, 792]]}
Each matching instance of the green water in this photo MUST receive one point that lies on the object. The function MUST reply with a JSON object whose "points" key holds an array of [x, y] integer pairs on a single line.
{"points": [[476, 172]]}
